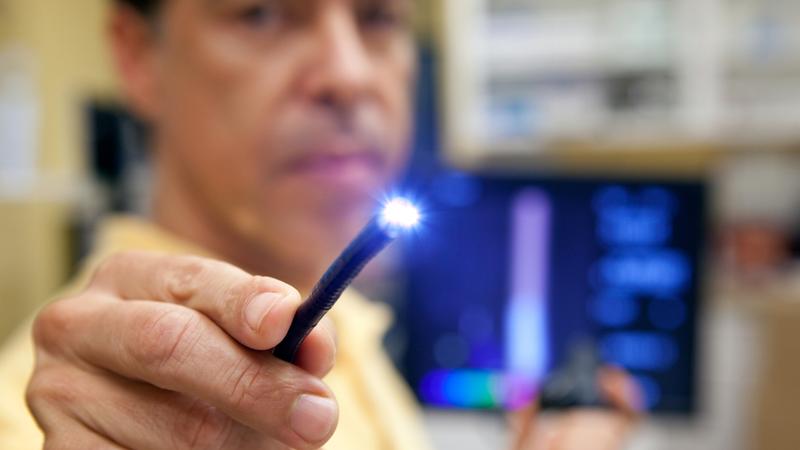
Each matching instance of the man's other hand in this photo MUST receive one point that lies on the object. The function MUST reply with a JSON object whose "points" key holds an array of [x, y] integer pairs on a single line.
{"points": [[582, 429]]}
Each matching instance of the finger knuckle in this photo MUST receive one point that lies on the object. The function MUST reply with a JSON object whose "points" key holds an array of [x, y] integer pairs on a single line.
{"points": [[255, 387], [182, 283], [33, 395], [50, 389], [202, 426], [165, 339], [244, 381], [54, 321]]}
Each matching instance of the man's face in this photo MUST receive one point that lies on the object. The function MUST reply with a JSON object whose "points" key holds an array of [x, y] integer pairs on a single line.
{"points": [[286, 119]]}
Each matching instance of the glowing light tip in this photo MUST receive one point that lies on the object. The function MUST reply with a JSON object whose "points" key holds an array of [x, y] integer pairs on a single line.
{"points": [[401, 213]]}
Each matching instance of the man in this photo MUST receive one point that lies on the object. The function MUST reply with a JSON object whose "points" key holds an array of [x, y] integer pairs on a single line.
{"points": [[275, 124]]}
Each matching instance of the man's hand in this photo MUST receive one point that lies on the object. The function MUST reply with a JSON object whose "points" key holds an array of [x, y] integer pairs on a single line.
{"points": [[168, 352], [581, 429]]}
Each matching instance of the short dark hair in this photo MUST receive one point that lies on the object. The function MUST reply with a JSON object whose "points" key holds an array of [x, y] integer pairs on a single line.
{"points": [[146, 7]]}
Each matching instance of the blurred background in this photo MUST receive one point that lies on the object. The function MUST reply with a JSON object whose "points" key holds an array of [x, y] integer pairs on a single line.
{"points": [[618, 179]]}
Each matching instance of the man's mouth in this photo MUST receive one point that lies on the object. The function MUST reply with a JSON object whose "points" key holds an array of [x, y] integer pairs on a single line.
{"points": [[352, 170]]}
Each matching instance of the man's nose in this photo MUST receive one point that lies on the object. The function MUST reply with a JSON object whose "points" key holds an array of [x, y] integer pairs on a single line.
{"points": [[340, 72]]}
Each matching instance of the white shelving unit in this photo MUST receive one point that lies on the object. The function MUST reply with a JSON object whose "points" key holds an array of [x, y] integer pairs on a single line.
{"points": [[531, 76]]}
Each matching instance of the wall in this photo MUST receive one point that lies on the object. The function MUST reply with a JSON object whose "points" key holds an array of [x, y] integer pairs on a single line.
{"points": [[64, 49]]}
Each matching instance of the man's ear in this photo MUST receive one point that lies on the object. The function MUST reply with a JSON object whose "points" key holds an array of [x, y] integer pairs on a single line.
{"points": [[132, 40]]}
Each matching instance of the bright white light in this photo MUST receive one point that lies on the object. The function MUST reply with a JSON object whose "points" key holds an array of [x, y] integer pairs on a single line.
{"points": [[400, 213]]}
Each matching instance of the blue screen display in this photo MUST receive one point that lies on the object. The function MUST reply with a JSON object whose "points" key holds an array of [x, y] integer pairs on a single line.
{"points": [[509, 274]]}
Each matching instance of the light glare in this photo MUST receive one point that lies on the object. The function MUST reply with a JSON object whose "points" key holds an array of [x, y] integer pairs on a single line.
{"points": [[400, 212]]}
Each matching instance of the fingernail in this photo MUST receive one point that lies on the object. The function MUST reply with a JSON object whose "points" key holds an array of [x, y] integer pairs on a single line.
{"points": [[313, 417], [259, 307]]}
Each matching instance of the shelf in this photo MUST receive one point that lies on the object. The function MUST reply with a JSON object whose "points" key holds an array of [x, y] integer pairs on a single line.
{"points": [[571, 80]]}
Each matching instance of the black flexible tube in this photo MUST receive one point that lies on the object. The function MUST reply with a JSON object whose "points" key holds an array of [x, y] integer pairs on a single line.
{"points": [[369, 242]]}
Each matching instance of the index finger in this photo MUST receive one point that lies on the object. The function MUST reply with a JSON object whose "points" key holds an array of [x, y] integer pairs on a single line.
{"points": [[257, 311]]}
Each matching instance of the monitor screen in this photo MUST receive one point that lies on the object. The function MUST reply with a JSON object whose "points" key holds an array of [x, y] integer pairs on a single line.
{"points": [[508, 276]]}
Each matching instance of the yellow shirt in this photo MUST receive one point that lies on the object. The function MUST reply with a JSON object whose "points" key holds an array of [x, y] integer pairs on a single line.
{"points": [[376, 409]]}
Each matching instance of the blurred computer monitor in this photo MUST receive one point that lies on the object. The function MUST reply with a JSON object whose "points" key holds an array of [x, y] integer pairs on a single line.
{"points": [[508, 276]]}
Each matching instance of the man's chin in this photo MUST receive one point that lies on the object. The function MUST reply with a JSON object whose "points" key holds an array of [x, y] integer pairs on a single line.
{"points": [[311, 251], [327, 218]]}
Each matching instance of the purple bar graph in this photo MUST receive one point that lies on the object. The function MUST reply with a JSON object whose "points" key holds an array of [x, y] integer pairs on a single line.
{"points": [[526, 338]]}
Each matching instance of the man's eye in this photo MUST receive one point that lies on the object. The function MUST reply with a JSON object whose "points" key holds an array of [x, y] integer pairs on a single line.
{"points": [[257, 15], [382, 17]]}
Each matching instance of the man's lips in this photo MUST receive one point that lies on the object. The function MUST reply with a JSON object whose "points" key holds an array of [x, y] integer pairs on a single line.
{"points": [[356, 169]]}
